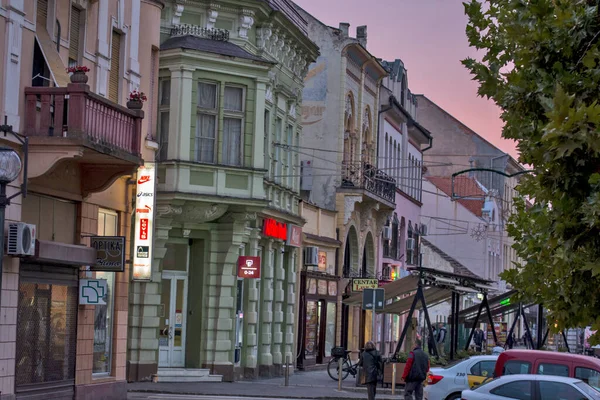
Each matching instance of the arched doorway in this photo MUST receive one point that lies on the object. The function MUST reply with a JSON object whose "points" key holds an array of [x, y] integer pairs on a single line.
{"points": [[349, 269]]}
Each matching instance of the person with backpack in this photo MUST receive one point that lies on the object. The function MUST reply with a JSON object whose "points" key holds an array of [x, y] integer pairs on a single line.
{"points": [[441, 339], [372, 365], [415, 372]]}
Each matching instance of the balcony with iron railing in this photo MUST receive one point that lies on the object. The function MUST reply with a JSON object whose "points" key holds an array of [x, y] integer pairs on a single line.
{"points": [[374, 182], [72, 124]]}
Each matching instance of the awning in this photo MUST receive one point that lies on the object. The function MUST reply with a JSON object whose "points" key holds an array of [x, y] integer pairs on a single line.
{"points": [[446, 280], [433, 297], [57, 68], [393, 289]]}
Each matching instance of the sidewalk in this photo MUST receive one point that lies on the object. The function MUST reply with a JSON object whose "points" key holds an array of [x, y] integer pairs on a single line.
{"points": [[303, 385]]}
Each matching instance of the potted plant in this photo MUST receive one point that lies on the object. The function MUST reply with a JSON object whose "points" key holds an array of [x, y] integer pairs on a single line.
{"points": [[78, 73], [136, 100]]}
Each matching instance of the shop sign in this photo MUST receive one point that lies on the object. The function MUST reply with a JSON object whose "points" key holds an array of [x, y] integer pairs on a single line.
{"points": [[92, 292], [248, 267], [294, 235], [359, 284], [322, 261], [110, 253], [142, 256], [275, 229]]}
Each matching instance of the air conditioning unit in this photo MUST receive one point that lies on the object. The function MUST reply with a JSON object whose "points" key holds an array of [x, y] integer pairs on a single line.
{"points": [[410, 244], [423, 230], [387, 233], [311, 255], [21, 239]]}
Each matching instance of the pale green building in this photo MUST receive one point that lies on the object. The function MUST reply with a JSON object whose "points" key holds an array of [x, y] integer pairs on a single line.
{"points": [[230, 79]]}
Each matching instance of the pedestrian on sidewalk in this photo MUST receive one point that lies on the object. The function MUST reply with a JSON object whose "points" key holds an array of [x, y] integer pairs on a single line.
{"points": [[372, 365], [478, 339], [415, 372], [441, 339]]}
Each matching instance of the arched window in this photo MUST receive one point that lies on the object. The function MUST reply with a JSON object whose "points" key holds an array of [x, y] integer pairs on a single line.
{"points": [[366, 137], [395, 245], [349, 134], [386, 161], [410, 246]]}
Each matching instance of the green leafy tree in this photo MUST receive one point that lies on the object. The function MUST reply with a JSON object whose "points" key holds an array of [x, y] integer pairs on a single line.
{"points": [[541, 64]]}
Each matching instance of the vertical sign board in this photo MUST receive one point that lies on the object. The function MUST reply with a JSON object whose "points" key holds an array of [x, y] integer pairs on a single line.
{"points": [[249, 267], [373, 299], [144, 213], [294, 236]]}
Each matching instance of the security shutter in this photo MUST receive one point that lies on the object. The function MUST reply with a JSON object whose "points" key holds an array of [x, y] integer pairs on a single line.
{"points": [[42, 12], [115, 67], [74, 36]]}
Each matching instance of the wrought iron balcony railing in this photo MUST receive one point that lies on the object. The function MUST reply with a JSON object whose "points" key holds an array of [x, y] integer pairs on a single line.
{"points": [[368, 177]]}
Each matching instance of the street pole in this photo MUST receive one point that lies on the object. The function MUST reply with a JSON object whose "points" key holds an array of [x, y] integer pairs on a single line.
{"points": [[3, 202], [340, 374], [287, 370], [373, 317], [393, 378]]}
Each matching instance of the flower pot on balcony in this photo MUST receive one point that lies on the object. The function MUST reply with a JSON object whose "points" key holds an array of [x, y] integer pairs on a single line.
{"points": [[134, 104], [79, 77]]}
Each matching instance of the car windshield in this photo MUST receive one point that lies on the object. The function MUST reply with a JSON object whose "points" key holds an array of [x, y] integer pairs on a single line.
{"points": [[589, 390], [455, 363]]}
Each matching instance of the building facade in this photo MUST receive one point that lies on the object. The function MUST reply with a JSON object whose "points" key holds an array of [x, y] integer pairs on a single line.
{"points": [[401, 143], [340, 124], [84, 146], [230, 83], [319, 290]]}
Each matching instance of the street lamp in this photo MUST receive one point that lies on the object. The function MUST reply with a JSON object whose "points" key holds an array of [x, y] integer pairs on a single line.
{"points": [[10, 168]]}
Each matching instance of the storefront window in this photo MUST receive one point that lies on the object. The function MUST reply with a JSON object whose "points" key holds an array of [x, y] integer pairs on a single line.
{"points": [[330, 332], [312, 328], [103, 314]]}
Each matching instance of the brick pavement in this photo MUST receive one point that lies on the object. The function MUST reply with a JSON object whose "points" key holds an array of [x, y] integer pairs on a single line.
{"points": [[303, 385]]}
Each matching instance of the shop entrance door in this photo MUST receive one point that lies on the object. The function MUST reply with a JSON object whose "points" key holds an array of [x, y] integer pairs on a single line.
{"points": [[171, 341]]}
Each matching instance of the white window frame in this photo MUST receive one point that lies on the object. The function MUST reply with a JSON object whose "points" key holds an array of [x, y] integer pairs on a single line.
{"points": [[207, 111], [277, 156], [231, 114], [163, 109]]}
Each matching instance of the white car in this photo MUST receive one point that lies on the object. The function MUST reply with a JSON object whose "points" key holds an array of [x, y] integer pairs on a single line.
{"points": [[448, 382], [532, 387]]}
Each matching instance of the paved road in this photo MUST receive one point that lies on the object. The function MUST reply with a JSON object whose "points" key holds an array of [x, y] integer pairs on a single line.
{"points": [[142, 396]]}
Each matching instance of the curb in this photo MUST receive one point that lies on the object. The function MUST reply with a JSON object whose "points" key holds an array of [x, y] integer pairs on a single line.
{"points": [[266, 396]]}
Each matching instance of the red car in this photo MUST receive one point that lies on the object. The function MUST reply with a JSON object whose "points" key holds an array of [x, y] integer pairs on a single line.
{"points": [[512, 362]]}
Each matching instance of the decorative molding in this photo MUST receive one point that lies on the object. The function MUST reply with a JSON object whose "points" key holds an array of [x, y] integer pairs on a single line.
{"points": [[203, 213], [196, 30], [212, 13], [167, 209], [178, 11], [186, 233], [263, 34], [246, 22], [349, 203]]}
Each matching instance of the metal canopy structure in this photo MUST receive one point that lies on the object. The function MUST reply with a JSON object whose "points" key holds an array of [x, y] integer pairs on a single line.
{"points": [[434, 287], [393, 289]]}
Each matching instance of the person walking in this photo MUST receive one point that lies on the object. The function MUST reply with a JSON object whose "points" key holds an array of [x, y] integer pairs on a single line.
{"points": [[441, 338], [372, 365], [415, 372], [478, 339]]}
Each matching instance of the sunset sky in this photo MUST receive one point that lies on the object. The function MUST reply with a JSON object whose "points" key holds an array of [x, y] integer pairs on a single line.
{"points": [[429, 37]]}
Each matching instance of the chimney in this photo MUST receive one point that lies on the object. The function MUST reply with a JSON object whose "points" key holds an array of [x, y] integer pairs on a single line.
{"points": [[344, 27], [361, 35]]}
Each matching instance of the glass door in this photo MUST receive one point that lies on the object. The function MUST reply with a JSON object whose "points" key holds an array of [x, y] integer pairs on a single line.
{"points": [[171, 339]]}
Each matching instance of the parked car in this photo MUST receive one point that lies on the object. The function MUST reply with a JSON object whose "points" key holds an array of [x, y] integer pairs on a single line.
{"points": [[542, 362], [532, 387], [448, 382]]}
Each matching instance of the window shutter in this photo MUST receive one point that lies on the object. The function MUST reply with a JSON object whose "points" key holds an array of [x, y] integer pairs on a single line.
{"points": [[74, 36], [42, 12], [115, 67]]}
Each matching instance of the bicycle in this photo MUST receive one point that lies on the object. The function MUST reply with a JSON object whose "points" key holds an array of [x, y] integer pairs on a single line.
{"points": [[348, 368]]}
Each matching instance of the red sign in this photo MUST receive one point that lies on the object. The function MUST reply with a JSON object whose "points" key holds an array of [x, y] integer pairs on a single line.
{"points": [[143, 228], [248, 267], [294, 236], [275, 229]]}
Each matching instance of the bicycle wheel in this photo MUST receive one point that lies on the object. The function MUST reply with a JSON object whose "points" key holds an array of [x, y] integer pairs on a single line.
{"points": [[333, 369]]}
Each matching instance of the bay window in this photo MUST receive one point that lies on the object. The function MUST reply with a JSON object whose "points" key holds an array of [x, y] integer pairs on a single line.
{"points": [[233, 118], [206, 123]]}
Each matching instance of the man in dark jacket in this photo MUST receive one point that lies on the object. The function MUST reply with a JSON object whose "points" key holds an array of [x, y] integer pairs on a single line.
{"points": [[372, 365], [415, 372], [441, 339], [478, 339]]}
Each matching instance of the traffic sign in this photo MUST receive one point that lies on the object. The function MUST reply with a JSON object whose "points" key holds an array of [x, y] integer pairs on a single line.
{"points": [[373, 299]]}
